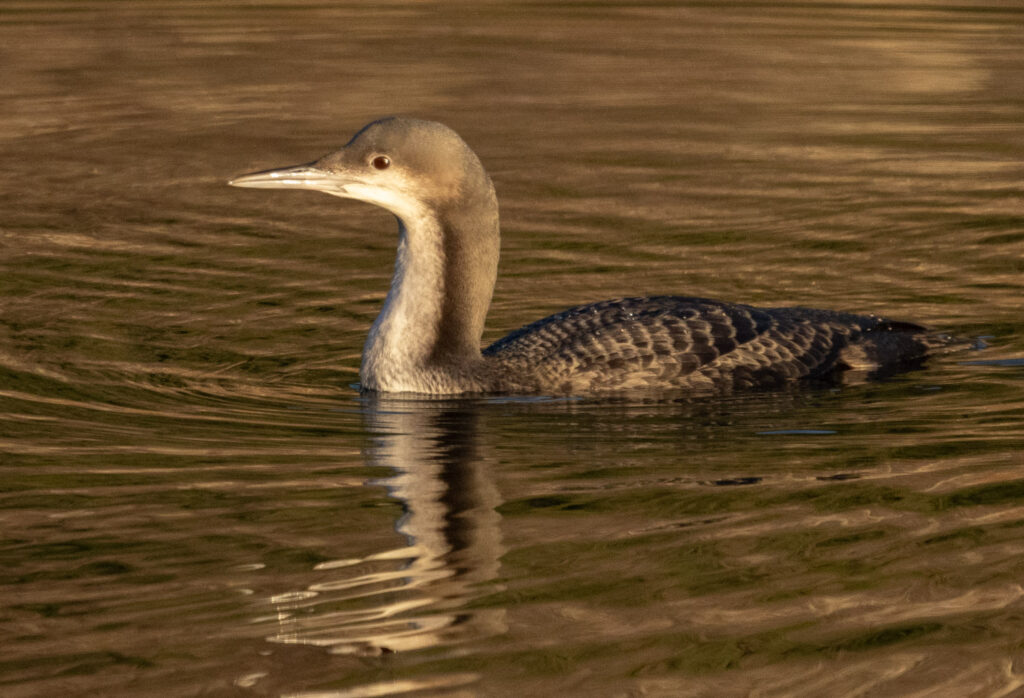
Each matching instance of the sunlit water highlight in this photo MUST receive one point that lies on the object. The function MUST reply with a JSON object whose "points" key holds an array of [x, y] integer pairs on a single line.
{"points": [[196, 502]]}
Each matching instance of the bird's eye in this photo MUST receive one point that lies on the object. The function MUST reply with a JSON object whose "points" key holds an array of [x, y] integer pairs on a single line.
{"points": [[381, 162]]}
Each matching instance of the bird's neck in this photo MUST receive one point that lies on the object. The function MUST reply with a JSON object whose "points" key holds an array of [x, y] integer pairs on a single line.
{"points": [[427, 337]]}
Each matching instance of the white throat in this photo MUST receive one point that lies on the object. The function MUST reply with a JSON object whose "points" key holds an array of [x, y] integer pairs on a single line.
{"points": [[402, 337]]}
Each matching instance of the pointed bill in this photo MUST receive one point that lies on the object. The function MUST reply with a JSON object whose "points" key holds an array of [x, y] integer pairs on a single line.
{"points": [[307, 176]]}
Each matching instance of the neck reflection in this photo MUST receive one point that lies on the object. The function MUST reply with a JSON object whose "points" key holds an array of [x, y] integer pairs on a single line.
{"points": [[413, 596]]}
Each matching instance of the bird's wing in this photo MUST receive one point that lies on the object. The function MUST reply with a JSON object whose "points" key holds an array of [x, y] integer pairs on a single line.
{"points": [[672, 341]]}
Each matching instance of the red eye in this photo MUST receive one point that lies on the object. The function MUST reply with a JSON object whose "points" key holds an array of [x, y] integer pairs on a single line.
{"points": [[381, 162]]}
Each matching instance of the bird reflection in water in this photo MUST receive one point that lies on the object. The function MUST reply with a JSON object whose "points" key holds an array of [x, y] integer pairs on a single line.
{"points": [[414, 596]]}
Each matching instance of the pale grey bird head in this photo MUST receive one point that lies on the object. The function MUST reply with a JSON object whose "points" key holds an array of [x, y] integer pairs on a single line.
{"points": [[410, 167]]}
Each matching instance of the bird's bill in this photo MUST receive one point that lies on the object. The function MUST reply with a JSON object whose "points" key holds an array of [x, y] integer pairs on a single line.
{"points": [[307, 176]]}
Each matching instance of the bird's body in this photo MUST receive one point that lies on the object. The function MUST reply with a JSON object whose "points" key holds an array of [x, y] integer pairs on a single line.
{"points": [[427, 337], [694, 345]]}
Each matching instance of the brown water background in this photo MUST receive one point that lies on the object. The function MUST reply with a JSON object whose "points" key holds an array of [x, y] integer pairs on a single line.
{"points": [[194, 501]]}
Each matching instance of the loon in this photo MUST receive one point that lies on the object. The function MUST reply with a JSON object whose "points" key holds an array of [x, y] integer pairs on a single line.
{"points": [[427, 338]]}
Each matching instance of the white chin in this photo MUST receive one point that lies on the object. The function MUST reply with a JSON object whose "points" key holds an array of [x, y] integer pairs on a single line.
{"points": [[400, 204]]}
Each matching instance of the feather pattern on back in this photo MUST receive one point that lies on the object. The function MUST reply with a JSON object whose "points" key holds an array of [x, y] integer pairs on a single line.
{"points": [[693, 344]]}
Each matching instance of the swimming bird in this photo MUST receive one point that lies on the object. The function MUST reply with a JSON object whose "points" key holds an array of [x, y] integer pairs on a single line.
{"points": [[427, 338]]}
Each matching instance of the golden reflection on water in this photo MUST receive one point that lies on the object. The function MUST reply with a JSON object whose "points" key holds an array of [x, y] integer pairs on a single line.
{"points": [[195, 501]]}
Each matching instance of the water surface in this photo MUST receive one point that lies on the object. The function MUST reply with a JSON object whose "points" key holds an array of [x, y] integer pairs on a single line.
{"points": [[195, 501]]}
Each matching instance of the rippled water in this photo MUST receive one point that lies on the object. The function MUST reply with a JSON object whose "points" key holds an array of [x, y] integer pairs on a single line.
{"points": [[195, 501]]}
